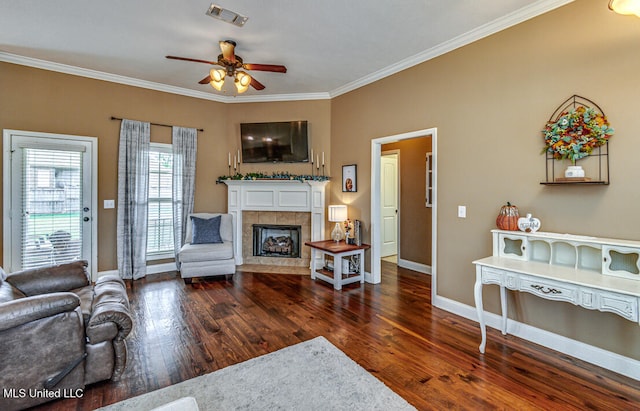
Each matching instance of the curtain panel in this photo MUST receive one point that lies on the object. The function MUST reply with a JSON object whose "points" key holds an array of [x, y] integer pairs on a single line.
{"points": [[184, 143], [133, 191]]}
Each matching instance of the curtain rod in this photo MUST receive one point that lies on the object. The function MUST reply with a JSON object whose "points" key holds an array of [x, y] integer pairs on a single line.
{"points": [[154, 124]]}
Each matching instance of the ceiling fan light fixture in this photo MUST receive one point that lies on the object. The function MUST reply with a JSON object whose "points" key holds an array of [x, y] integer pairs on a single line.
{"points": [[231, 64], [242, 81], [217, 78], [217, 84], [626, 7], [217, 75], [228, 16]]}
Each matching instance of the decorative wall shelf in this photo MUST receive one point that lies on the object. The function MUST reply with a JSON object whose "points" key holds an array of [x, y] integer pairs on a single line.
{"points": [[596, 164]]}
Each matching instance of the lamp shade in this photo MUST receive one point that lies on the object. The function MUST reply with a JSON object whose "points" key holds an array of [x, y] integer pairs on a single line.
{"points": [[242, 82], [217, 78], [625, 6], [217, 75], [337, 213]]}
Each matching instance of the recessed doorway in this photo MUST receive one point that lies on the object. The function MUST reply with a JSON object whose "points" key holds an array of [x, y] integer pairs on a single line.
{"points": [[376, 201]]}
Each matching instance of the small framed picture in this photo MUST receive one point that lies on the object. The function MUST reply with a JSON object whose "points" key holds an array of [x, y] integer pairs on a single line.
{"points": [[349, 178]]}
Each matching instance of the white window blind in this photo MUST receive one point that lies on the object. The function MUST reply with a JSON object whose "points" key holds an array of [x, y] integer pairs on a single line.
{"points": [[160, 215], [52, 207]]}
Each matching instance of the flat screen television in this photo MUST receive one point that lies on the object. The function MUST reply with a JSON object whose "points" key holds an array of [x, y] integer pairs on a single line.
{"points": [[284, 141]]}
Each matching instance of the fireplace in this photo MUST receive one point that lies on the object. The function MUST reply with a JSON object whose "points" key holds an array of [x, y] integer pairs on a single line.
{"points": [[286, 202], [276, 240]]}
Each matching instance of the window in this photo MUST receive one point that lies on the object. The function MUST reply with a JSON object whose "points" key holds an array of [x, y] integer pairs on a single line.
{"points": [[51, 197], [160, 214]]}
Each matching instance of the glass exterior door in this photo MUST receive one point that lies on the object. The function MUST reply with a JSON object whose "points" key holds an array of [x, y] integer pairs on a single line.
{"points": [[51, 202]]}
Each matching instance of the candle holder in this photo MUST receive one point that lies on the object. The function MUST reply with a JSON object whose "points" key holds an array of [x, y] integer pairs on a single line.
{"points": [[229, 169], [323, 171]]}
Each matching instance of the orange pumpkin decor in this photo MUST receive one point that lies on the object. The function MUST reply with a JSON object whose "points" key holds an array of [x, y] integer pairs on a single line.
{"points": [[508, 217]]}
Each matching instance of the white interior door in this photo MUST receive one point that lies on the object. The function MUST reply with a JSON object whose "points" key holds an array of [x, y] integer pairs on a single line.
{"points": [[51, 214], [389, 203]]}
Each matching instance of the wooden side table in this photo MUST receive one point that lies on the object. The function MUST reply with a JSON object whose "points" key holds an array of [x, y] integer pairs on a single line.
{"points": [[337, 250]]}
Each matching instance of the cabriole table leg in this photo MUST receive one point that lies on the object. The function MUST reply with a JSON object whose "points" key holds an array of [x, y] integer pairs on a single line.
{"points": [[478, 298]]}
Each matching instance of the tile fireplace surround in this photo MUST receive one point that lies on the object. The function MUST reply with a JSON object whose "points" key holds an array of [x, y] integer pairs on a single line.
{"points": [[275, 202], [249, 218]]}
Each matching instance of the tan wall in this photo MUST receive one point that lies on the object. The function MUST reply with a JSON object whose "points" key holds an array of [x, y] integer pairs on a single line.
{"points": [[489, 101], [39, 100], [415, 217]]}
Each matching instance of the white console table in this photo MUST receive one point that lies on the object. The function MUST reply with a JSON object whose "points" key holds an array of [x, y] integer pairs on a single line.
{"points": [[594, 273]]}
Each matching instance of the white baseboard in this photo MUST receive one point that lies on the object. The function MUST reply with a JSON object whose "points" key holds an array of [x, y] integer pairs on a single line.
{"points": [[412, 265], [368, 278], [606, 359]]}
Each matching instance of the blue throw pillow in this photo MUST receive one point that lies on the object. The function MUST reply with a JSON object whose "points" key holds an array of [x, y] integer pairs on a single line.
{"points": [[205, 231]]}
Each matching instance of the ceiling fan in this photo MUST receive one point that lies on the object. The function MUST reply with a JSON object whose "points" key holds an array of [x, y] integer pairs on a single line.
{"points": [[231, 65]]}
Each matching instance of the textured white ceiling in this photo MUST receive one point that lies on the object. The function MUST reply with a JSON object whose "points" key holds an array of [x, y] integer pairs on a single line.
{"points": [[329, 47]]}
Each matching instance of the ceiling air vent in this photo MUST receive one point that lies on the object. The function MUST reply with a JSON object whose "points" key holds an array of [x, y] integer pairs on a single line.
{"points": [[229, 16]]}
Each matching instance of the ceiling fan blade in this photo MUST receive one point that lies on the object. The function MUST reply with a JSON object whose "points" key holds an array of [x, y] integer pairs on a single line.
{"points": [[228, 50], [205, 80], [265, 67], [256, 84], [194, 60]]}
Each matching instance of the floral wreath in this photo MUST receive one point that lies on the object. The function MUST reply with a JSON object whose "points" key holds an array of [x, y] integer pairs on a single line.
{"points": [[574, 134]]}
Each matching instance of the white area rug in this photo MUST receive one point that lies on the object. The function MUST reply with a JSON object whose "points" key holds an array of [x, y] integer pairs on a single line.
{"points": [[313, 375]]}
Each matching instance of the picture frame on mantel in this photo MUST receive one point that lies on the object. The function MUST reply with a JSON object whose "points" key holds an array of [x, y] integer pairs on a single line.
{"points": [[349, 178]]}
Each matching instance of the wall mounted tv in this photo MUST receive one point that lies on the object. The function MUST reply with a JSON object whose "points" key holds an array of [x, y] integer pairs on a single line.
{"points": [[276, 142]]}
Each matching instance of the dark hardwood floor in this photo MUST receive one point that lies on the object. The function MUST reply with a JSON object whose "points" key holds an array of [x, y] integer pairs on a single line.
{"points": [[428, 356]]}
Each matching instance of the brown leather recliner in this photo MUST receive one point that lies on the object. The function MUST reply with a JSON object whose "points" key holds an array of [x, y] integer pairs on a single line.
{"points": [[58, 333]]}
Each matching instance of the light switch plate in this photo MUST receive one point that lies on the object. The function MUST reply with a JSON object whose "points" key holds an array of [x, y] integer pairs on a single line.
{"points": [[109, 204], [462, 211]]}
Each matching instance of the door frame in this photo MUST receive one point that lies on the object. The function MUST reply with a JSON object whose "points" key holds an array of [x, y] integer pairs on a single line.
{"points": [[376, 213], [7, 194], [398, 182]]}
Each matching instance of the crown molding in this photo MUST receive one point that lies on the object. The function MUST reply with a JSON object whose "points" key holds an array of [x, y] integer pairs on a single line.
{"points": [[278, 97], [526, 13], [481, 32], [115, 78], [101, 75]]}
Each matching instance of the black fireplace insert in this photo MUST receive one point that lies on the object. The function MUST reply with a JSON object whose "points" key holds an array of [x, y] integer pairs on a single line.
{"points": [[273, 240]]}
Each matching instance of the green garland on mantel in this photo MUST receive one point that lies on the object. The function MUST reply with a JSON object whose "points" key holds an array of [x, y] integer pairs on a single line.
{"points": [[273, 176]]}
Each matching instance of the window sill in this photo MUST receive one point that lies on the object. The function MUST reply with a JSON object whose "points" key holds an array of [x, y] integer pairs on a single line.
{"points": [[163, 256]]}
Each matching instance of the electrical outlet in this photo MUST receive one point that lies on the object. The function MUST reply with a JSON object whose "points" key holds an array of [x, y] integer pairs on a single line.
{"points": [[109, 204], [462, 211]]}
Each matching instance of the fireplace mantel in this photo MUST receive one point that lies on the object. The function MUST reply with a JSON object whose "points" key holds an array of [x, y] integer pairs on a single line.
{"points": [[275, 195]]}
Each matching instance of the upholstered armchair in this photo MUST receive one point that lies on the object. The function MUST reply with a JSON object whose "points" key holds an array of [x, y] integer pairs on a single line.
{"points": [[58, 333], [208, 248]]}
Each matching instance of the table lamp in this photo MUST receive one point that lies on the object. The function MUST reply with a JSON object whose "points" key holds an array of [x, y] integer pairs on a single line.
{"points": [[337, 214]]}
